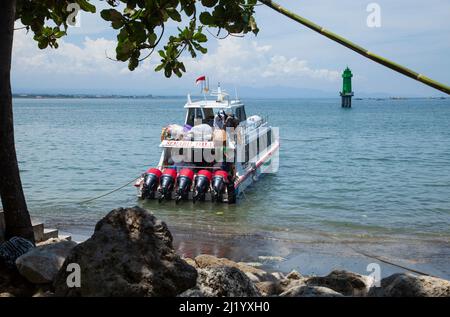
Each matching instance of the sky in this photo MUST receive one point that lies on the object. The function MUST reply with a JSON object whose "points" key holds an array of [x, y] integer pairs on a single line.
{"points": [[284, 60]]}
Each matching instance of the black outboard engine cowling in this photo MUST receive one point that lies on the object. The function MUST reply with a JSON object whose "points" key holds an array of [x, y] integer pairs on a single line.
{"points": [[167, 181], [202, 182], [151, 182], [184, 183], [219, 183]]}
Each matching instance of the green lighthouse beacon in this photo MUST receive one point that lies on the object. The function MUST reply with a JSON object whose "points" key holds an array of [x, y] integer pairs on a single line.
{"points": [[347, 92]]}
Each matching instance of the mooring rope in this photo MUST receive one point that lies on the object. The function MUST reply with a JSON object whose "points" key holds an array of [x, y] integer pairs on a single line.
{"points": [[318, 232], [110, 192], [376, 257], [372, 256]]}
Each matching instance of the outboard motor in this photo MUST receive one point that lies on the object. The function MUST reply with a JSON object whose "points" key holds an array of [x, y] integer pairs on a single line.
{"points": [[167, 181], [219, 183], [151, 182], [184, 183], [202, 182]]}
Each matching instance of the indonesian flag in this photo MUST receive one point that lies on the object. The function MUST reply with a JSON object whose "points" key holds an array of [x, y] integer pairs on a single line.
{"points": [[200, 79]]}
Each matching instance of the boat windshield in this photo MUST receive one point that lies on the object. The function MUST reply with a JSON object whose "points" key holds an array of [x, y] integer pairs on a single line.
{"points": [[198, 116]]}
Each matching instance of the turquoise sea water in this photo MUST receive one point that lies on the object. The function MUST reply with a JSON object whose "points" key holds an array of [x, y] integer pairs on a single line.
{"points": [[380, 170]]}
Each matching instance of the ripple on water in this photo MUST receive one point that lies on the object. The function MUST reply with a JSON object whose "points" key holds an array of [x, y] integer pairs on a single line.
{"points": [[380, 169]]}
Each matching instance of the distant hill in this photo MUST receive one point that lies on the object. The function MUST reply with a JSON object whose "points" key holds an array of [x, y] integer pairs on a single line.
{"points": [[243, 92], [87, 96]]}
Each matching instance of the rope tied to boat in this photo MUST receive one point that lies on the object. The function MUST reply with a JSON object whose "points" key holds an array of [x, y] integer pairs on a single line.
{"points": [[368, 255], [110, 192], [318, 232]]}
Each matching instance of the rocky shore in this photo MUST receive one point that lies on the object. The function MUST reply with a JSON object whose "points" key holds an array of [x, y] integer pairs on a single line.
{"points": [[131, 253]]}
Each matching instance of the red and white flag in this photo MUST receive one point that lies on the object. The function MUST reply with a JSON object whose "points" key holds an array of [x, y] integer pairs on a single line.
{"points": [[200, 79]]}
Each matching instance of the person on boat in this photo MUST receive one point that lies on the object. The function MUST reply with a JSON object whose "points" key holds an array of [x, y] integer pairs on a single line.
{"points": [[231, 121], [219, 120]]}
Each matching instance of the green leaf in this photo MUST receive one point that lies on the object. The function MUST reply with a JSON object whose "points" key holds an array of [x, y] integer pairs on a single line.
{"points": [[152, 38], [129, 11], [59, 34], [111, 15], [168, 72], [124, 50], [43, 43], [200, 48], [189, 9], [209, 3], [173, 14], [177, 72], [117, 24], [138, 32], [123, 35], [200, 37], [206, 18], [86, 6], [159, 67], [133, 63]]}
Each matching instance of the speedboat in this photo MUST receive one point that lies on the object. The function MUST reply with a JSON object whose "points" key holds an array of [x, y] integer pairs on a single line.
{"points": [[203, 161]]}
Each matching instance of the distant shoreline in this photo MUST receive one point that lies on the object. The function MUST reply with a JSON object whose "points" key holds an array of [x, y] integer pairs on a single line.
{"points": [[88, 96], [106, 96]]}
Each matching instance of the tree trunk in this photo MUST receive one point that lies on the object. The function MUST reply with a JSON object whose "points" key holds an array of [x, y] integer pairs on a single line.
{"points": [[17, 218]]}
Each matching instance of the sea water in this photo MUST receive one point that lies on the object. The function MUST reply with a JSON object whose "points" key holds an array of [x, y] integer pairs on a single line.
{"points": [[377, 173]]}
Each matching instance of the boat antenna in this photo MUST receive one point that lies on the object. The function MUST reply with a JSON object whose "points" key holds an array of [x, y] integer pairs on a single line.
{"points": [[236, 93], [219, 92]]}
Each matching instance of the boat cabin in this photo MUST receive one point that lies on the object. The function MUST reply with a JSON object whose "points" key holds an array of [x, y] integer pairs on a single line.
{"points": [[204, 111]]}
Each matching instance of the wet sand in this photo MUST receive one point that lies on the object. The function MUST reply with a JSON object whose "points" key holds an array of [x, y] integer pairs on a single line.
{"points": [[317, 256], [311, 254]]}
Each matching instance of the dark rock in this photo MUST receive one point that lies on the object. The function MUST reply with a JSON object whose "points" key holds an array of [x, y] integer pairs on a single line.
{"points": [[256, 275], [278, 276], [347, 283], [225, 281], [294, 275], [287, 284], [408, 285], [41, 264], [130, 254], [193, 292], [14, 284], [269, 288], [310, 291]]}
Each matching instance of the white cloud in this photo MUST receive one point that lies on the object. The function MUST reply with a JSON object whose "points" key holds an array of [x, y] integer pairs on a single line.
{"points": [[90, 58], [296, 56], [281, 66], [247, 62], [234, 60]]}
